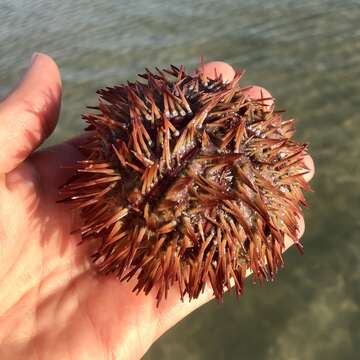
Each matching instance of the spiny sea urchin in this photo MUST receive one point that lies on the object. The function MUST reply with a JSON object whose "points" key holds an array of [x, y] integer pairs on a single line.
{"points": [[188, 181]]}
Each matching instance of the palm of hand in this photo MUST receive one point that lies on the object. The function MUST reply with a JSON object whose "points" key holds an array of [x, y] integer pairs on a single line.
{"points": [[58, 303], [52, 305]]}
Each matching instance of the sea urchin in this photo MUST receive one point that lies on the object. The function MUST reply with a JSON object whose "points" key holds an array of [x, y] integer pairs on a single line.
{"points": [[188, 182]]}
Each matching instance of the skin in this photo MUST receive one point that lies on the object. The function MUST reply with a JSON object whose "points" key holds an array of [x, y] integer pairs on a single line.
{"points": [[52, 305]]}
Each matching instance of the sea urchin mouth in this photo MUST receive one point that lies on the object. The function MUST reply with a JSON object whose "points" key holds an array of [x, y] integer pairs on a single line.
{"points": [[188, 182]]}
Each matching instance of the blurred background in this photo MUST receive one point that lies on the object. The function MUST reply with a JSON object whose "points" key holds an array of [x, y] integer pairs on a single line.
{"points": [[307, 53]]}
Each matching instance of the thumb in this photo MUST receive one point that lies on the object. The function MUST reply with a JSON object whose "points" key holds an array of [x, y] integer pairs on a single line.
{"points": [[29, 114]]}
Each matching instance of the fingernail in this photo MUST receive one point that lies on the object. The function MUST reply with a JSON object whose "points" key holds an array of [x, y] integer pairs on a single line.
{"points": [[33, 57]]}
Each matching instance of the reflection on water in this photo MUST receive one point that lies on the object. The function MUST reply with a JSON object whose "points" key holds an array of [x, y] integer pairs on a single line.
{"points": [[308, 54]]}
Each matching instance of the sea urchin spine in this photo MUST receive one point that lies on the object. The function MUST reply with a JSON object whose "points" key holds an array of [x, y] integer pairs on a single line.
{"points": [[188, 181]]}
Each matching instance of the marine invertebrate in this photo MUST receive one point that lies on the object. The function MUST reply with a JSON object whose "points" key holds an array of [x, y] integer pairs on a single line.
{"points": [[188, 181]]}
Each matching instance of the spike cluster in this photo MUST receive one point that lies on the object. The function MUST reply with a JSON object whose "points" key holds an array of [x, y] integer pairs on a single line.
{"points": [[188, 182]]}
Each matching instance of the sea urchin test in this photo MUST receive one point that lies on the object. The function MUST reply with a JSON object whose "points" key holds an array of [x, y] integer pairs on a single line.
{"points": [[188, 182]]}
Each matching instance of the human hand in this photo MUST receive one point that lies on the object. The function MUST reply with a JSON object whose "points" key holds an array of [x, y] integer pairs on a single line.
{"points": [[52, 305]]}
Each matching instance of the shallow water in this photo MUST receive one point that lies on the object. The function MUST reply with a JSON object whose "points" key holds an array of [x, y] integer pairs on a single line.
{"points": [[308, 54]]}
